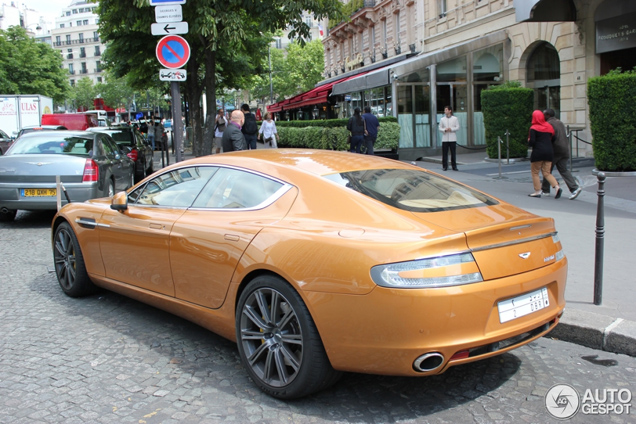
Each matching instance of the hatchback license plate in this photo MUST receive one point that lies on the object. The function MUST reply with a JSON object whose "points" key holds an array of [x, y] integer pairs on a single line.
{"points": [[523, 305], [39, 192]]}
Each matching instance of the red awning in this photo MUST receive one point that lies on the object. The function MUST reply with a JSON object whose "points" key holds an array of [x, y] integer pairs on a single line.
{"points": [[314, 96]]}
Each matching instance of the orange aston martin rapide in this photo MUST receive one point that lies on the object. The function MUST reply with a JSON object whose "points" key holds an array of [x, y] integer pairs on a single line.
{"points": [[318, 262]]}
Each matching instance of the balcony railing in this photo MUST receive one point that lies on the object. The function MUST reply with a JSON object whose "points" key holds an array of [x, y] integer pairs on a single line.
{"points": [[78, 41], [83, 71], [71, 72]]}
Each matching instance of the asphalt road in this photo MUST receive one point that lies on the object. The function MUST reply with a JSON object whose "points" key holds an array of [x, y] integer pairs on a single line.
{"points": [[109, 359]]}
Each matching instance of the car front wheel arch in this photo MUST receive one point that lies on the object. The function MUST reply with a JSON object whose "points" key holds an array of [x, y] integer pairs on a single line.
{"points": [[278, 341]]}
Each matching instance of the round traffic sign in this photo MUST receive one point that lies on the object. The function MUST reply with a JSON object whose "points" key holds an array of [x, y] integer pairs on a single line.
{"points": [[173, 51]]}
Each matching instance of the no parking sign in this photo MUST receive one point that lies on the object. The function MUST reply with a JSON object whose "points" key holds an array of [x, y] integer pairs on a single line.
{"points": [[173, 51]]}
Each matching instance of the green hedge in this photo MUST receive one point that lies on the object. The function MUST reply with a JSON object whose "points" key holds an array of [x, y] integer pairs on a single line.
{"points": [[612, 101], [328, 137], [507, 107]]}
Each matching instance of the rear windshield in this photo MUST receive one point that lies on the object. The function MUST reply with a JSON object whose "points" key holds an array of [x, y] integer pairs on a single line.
{"points": [[412, 190], [72, 145]]}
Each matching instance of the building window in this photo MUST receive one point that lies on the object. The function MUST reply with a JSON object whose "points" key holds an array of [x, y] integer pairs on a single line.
{"points": [[82, 52], [78, 23], [68, 13], [84, 70], [97, 51], [308, 21], [85, 22], [61, 25], [95, 36], [68, 38], [81, 38], [72, 83], [70, 69], [279, 43], [384, 36], [99, 79], [74, 11], [442, 8], [398, 41], [98, 65], [58, 40], [372, 41]]}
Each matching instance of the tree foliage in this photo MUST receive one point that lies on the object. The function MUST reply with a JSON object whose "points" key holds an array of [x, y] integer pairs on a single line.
{"points": [[83, 94], [227, 40], [30, 67]]}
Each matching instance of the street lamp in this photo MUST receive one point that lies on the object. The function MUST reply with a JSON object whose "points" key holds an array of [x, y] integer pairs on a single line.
{"points": [[315, 112], [271, 87]]}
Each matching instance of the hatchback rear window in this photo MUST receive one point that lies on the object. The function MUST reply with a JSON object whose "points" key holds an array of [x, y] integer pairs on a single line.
{"points": [[412, 190]]}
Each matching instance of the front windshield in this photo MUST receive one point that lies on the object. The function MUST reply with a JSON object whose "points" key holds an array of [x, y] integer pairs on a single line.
{"points": [[412, 190], [52, 144]]}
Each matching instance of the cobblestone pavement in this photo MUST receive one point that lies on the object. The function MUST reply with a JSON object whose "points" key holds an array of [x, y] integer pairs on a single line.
{"points": [[109, 359]]}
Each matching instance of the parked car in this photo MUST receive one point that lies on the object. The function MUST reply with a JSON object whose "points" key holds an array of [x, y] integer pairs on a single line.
{"points": [[319, 262], [5, 142], [134, 144], [26, 130], [89, 164]]}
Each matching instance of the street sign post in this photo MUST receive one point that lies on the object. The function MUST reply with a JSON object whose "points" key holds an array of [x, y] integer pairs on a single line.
{"points": [[169, 13], [169, 28], [173, 51]]}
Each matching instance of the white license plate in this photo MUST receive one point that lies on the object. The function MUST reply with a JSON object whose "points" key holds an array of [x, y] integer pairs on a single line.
{"points": [[523, 305]]}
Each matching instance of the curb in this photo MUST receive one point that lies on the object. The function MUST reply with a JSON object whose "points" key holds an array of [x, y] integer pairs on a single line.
{"points": [[597, 332]]}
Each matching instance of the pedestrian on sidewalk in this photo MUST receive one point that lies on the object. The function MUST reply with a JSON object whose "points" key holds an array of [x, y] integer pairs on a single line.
{"points": [[372, 125], [449, 125], [249, 128], [160, 138], [268, 132], [233, 139], [561, 147], [357, 128], [220, 124], [540, 139]]}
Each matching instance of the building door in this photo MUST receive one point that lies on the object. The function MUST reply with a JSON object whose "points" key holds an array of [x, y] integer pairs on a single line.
{"points": [[454, 95], [544, 76]]}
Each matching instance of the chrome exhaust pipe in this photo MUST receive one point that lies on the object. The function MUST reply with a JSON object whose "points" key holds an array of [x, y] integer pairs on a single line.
{"points": [[428, 362]]}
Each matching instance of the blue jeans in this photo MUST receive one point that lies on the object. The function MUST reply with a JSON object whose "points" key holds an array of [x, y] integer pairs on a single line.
{"points": [[356, 142], [151, 139], [250, 140]]}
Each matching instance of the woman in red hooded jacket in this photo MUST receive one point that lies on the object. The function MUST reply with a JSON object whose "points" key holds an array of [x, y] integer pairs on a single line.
{"points": [[540, 139]]}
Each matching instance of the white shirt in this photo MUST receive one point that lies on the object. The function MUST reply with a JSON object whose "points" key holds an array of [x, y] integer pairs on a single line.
{"points": [[453, 124], [268, 129]]}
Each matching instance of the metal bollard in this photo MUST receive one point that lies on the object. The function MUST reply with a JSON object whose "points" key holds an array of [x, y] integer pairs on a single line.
{"points": [[507, 134], [600, 240]]}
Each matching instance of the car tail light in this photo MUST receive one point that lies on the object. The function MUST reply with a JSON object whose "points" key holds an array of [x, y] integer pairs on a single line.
{"points": [[91, 171], [443, 271], [133, 154]]}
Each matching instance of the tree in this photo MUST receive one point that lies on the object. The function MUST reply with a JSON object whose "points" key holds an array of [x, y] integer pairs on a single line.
{"points": [[83, 94], [30, 67], [226, 42]]}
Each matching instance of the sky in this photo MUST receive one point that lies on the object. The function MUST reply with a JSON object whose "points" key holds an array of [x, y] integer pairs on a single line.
{"points": [[48, 8]]}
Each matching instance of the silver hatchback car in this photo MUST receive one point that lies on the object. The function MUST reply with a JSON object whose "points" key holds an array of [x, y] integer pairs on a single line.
{"points": [[89, 164]]}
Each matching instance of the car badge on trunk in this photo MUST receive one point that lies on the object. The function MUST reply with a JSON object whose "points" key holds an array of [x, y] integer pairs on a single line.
{"points": [[524, 255]]}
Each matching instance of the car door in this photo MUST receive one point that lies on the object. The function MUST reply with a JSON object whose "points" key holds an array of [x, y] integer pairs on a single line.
{"points": [[135, 243], [209, 239], [120, 165]]}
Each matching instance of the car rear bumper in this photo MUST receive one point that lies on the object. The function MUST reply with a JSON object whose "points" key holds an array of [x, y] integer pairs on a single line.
{"points": [[387, 330], [11, 195]]}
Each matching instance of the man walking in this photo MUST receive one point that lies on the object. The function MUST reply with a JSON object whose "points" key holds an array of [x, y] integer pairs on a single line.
{"points": [[250, 128], [233, 138], [373, 125], [449, 125], [561, 147]]}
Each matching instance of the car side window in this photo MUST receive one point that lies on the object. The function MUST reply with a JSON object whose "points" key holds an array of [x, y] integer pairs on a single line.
{"points": [[110, 146], [177, 188], [236, 189]]}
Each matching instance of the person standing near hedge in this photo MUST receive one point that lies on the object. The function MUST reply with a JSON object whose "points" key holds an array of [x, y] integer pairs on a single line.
{"points": [[449, 125], [540, 139], [250, 127], [357, 128], [372, 126], [268, 132]]}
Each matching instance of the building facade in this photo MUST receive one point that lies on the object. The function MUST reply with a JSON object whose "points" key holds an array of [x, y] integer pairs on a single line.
{"points": [[411, 58], [76, 37]]}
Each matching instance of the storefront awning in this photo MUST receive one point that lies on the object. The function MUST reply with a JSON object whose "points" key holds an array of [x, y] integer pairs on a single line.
{"points": [[364, 81], [416, 63], [544, 10]]}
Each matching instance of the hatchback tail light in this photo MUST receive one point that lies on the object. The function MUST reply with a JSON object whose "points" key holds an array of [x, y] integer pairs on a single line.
{"points": [[91, 171], [133, 154]]}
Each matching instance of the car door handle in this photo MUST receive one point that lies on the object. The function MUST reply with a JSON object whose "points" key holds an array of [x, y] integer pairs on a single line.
{"points": [[156, 226], [231, 237]]}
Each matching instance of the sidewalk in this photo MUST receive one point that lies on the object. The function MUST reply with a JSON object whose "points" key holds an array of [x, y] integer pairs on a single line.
{"points": [[610, 326]]}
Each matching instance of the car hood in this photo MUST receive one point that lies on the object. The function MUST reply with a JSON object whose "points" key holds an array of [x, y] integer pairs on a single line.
{"points": [[504, 239]]}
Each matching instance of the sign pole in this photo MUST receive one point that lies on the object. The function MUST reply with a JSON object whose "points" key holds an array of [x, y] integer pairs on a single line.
{"points": [[177, 124]]}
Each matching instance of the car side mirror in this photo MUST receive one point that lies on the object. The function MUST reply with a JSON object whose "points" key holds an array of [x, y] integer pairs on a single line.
{"points": [[119, 201]]}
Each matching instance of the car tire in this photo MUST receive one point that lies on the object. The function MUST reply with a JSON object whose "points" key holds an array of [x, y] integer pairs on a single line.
{"points": [[110, 189], [69, 263], [8, 215], [139, 173], [283, 354]]}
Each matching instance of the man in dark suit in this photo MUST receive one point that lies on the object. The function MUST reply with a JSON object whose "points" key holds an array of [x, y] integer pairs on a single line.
{"points": [[233, 138]]}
